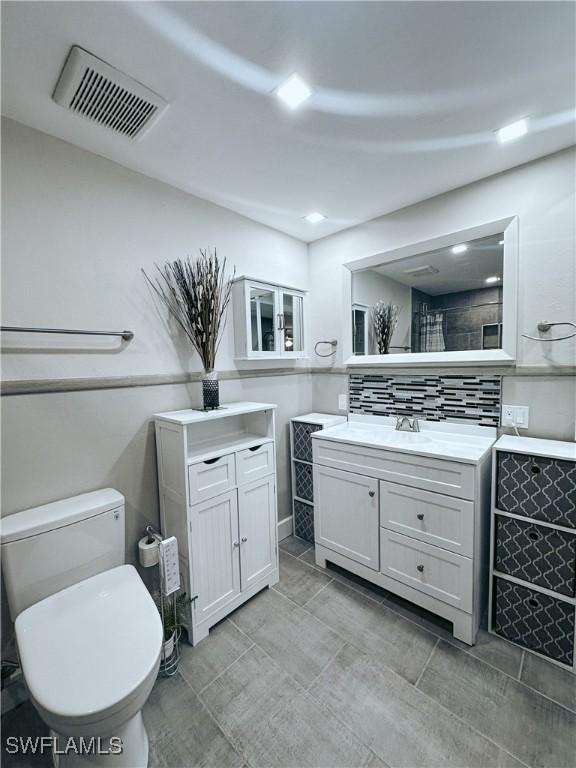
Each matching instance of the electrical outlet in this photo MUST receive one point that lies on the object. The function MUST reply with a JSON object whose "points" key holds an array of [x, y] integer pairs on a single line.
{"points": [[515, 416], [343, 402]]}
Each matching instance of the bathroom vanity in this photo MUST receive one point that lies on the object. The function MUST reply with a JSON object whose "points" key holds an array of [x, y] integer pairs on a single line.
{"points": [[217, 485], [408, 511]]}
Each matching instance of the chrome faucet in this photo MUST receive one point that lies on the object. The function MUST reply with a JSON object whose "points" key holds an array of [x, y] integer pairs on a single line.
{"points": [[407, 424]]}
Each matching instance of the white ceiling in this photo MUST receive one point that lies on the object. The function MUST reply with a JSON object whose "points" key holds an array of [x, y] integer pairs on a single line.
{"points": [[407, 95], [456, 272]]}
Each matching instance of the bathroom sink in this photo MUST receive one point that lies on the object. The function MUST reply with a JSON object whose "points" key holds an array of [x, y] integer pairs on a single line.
{"points": [[445, 440], [412, 439]]}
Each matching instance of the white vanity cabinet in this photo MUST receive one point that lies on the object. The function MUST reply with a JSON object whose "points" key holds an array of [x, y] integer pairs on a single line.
{"points": [[217, 486], [391, 509], [268, 320]]}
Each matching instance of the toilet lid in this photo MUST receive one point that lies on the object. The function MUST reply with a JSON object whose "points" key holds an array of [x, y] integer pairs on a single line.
{"points": [[89, 647]]}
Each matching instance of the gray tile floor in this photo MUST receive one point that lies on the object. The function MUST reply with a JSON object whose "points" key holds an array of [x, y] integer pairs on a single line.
{"points": [[325, 670]]}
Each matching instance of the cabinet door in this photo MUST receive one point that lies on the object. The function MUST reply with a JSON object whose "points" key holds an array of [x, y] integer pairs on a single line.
{"points": [[257, 516], [291, 323], [264, 319], [214, 555], [346, 514]]}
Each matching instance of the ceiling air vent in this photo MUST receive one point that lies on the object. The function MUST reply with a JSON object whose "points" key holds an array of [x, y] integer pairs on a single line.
{"points": [[421, 271], [95, 90]]}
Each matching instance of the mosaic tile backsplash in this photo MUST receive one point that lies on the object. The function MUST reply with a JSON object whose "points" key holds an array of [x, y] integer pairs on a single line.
{"points": [[469, 399]]}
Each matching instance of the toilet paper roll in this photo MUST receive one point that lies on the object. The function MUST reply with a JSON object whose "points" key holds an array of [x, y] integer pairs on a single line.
{"points": [[148, 552]]}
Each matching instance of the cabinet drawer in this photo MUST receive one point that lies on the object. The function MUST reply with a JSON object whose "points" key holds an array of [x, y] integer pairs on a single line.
{"points": [[301, 439], [445, 521], [253, 463], [441, 476], [211, 477], [536, 621], [429, 569], [304, 521], [537, 554], [303, 481], [537, 487]]}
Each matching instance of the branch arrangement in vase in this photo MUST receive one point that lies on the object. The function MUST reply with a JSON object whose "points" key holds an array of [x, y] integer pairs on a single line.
{"points": [[384, 320], [197, 293]]}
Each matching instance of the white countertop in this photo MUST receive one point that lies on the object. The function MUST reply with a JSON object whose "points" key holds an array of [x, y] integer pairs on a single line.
{"points": [[322, 419], [443, 440], [191, 416], [554, 449]]}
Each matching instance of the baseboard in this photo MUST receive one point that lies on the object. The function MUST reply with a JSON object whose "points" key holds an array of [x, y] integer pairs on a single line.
{"points": [[284, 528]]}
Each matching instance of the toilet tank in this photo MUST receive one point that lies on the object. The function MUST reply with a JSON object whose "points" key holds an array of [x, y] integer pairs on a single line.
{"points": [[49, 548]]}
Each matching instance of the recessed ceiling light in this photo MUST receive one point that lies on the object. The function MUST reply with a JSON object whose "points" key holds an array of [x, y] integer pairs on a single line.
{"points": [[460, 248], [493, 279], [315, 217], [512, 131], [294, 91]]}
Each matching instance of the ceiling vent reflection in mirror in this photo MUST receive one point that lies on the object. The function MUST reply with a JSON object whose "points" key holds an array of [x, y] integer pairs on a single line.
{"points": [[93, 89]]}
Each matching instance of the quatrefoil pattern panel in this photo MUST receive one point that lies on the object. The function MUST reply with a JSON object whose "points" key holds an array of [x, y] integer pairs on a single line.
{"points": [[536, 554], [302, 442], [537, 487], [304, 521], [304, 481], [534, 620]]}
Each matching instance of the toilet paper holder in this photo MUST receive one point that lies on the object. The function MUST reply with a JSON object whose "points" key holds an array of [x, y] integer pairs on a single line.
{"points": [[170, 655]]}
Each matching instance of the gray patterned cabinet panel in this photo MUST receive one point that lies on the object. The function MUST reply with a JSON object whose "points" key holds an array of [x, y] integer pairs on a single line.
{"points": [[304, 521], [303, 481], [533, 568], [538, 487], [301, 442], [537, 554], [301, 429], [534, 620]]}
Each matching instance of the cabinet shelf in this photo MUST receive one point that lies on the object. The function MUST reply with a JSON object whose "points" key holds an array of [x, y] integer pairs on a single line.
{"points": [[219, 446]]}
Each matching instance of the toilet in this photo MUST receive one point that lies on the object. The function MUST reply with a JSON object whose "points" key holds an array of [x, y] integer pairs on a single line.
{"points": [[89, 635]]}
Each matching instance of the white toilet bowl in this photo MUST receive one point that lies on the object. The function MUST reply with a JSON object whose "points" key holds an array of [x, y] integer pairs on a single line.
{"points": [[90, 655]]}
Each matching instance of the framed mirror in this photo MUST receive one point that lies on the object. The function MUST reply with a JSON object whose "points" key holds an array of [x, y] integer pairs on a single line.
{"points": [[447, 300]]}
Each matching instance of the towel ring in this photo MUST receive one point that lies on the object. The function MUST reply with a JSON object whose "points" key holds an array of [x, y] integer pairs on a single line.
{"points": [[544, 327], [333, 343]]}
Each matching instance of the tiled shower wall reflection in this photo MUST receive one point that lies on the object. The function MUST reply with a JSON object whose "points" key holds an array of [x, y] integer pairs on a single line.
{"points": [[469, 399]]}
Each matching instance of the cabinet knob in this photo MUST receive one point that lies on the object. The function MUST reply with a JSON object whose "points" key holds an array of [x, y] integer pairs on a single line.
{"points": [[420, 515], [420, 568], [244, 538], [371, 493], [236, 543]]}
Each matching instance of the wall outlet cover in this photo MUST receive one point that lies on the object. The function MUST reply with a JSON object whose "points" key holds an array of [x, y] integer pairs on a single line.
{"points": [[515, 416], [343, 402]]}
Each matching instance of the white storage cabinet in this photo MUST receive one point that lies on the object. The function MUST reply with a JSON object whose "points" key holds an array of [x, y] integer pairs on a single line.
{"points": [[301, 430], [533, 547], [269, 320], [217, 485]]}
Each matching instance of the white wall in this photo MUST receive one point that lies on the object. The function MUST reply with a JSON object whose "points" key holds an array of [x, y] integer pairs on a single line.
{"points": [[76, 231], [541, 194], [368, 287]]}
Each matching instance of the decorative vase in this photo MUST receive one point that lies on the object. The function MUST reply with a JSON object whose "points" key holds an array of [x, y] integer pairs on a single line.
{"points": [[210, 391]]}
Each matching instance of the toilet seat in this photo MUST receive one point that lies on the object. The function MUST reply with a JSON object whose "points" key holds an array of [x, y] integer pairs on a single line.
{"points": [[90, 653]]}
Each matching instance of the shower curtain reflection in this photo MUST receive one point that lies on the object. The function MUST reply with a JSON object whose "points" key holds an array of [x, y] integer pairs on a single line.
{"points": [[432, 332]]}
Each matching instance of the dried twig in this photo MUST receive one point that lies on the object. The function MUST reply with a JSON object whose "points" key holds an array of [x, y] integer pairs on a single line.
{"points": [[384, 320], [196, 293]]}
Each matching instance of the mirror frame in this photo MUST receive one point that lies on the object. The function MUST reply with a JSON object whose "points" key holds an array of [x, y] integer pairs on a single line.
{"points": [[504, 356]]}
